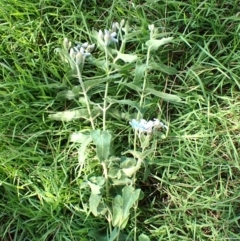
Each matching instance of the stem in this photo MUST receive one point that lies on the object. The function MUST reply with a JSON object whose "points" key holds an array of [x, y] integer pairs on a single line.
{"points": [[142, 97], [105, 106], [144, 83], [107, 193], [106, 92], [85, 96]]}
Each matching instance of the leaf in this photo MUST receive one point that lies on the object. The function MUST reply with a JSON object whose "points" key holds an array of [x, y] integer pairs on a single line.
{"points": [[95, 184], [139, 71], [117, 211], [139, 155], [84, 139], [124, 102], [96, 81], [99, 180], [164, 96], [79, 137], [122, 205], [163, 68], [102, 140], [94, 201], [114, 234], [69, 115], [127, 58], [130, 196], [98, 235], [114, 172], [143, 237], [127, 162], [96, 189], [131, 85], [130, 167], [154, 44], [69, 94], [123, 180]]}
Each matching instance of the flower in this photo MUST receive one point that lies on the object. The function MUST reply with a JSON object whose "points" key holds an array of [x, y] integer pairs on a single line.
{"points": [[108, 37], [144, 126], [80, 52]]}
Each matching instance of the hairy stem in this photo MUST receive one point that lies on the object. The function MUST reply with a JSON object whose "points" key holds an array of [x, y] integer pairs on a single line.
{"points": [[85, 96]]}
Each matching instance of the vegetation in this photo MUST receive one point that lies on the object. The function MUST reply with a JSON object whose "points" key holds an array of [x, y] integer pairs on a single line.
{"points": [[77, 159]]}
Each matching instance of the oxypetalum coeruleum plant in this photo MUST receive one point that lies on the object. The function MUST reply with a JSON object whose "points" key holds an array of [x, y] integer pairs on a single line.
{"points": [[109, 58]]}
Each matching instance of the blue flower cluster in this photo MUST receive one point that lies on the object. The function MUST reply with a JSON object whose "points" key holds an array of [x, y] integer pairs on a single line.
{"points": [[143, 126]]}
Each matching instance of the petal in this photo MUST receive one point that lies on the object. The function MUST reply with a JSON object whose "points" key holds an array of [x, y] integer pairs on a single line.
{"points": [[113, 34]]}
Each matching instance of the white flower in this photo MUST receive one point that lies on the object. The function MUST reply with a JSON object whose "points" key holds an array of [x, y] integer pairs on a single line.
{"points": [[144, 126], [79, 53], [159, 124], [109, 37]]}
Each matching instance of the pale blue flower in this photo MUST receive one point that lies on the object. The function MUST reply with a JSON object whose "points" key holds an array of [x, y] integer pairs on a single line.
{"points": [[144, 126], [108, 37], [79, 53]]}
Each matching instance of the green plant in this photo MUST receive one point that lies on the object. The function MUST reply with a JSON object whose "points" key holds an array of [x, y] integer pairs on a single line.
{"points": [[115, 193]]}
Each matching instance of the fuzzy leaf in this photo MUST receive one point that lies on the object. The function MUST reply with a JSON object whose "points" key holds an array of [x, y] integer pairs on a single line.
{"points": [[84, 139], [143, 237], [139, 155], [96, 81], [139, 71], [127, 58], [154, 44], [130, 196], [164, 96], [94, 201], [102, 140], [163, 68], [123, 204], [69, 115], [124, 102]]}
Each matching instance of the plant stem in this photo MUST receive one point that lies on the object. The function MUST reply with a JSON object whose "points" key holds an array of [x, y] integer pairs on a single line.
{"points": [[106, 92], [144, 84], [105, 106], [107, 193], [85, 96]]}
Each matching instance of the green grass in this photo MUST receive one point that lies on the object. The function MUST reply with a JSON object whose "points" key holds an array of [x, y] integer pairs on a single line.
{"points": [[193, 189]]}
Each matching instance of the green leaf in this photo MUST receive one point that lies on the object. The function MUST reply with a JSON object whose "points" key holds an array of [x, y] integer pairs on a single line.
{"points": [[154, 44], [80, 137], [130, 196], [143, 237], [164, 96], [69, 115], [96, 189], [130, 167], [127, 162], [84, 139], [114, 172], [127, 58], [124, 102], [163, 68], [94, 201], [102, 140], [114, 234], [117, 211], [131, 85], [98, 235], [123, 204], [123, 180], [99, 180], [96, 81], [139, 155], [139, 71]]}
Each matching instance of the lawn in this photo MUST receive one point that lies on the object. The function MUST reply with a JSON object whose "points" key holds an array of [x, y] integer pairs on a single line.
{"points": [[120, 120]]}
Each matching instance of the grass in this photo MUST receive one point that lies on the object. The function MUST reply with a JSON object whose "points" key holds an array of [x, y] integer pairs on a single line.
{"points": [[192, 192]]}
